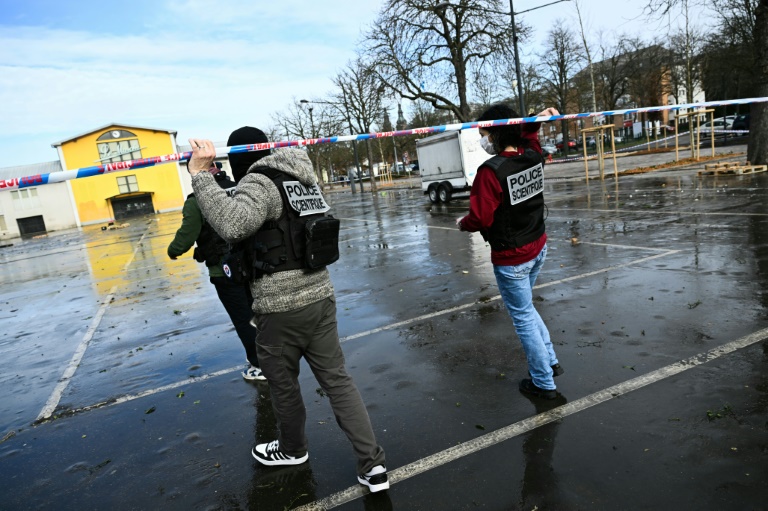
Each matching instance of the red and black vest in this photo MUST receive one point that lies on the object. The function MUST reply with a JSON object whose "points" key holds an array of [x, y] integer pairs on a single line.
{"points": [[519, 219]]}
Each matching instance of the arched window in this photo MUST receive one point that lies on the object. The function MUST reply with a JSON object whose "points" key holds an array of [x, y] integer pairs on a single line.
{"points": [[118, 145]]}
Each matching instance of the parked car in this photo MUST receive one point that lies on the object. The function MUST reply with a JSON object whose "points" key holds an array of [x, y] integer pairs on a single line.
{"points": [[719, 124], [549, 148], [618, 139], [741, 122], [571, 144], [668, 128]]}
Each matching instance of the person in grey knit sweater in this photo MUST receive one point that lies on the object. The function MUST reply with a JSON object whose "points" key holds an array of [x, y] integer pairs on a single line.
{"points": [[295, 312]]}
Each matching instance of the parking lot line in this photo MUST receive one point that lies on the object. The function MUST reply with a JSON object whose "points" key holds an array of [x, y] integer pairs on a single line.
{"points": [[138, 246], [662, 212], [473, 304], [518, 428], [53, 400], [188, 381]]}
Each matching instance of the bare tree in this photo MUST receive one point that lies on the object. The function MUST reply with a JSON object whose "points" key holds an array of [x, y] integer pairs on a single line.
{"points": [[648, 74], [360, 96], [561, 59], [612, 72], [532, 84], [311, 121], [588, 56], [425, 50], [747, 20]]}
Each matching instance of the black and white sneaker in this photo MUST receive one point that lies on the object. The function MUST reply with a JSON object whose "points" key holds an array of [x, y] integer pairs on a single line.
{"points": [[253, 373], [271, 454], [375, 479]]}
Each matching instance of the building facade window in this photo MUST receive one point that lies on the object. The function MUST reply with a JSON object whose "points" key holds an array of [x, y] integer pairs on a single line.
{"points": [[25, 199], [118, 145], [128, 184]]}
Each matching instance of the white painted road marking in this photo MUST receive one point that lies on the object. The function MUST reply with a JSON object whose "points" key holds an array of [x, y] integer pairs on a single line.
{"points": [[53, 401], [58, 391], [531, 423], [150, 392], [497, 297], [660, 212]]}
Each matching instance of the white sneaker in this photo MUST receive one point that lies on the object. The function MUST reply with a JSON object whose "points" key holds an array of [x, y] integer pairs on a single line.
{"points": [[253, 373], [271, 454], [375, 479]]}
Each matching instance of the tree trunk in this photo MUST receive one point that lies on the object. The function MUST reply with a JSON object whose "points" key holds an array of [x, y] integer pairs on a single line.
{"points": [[757, 151]]}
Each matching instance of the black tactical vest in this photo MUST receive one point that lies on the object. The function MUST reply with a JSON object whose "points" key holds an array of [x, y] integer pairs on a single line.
{"points": [[292, 242], [210, 246], [519, 219]]}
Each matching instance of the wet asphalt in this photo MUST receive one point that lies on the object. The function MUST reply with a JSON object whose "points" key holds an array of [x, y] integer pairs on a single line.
{"points": [[648, 283]]}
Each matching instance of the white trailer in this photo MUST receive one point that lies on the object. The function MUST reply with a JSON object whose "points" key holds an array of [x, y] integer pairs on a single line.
{"points": [[448, 163]]}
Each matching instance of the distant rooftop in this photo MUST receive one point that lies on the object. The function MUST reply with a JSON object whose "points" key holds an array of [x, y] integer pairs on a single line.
{"points": [[30, 170], [102, 128]]}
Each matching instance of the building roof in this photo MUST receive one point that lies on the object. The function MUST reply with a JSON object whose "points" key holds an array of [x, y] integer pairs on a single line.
{"points": [[57, 144], [30, 170]]}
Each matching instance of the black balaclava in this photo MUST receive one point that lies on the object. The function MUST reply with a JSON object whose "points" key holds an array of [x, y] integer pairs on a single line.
{"points": [[241, 162]]}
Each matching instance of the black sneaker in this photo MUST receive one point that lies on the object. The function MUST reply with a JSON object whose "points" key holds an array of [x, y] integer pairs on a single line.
{"points": [[527, 386], [271, 454], [375, 479], [557, 370]]}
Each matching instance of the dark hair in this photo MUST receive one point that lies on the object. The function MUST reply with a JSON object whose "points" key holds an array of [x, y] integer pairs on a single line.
{"points": [[502, 136]]}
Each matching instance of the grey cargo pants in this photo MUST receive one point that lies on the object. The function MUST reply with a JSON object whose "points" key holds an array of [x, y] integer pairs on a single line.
{"points": [[311, 332]]}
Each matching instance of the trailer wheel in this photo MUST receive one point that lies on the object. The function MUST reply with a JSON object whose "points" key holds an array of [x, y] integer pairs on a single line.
{"points": [[433, 195], [444, 193]]}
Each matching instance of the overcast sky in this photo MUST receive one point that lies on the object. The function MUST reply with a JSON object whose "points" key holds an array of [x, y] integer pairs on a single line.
{"points": [[199, 67]]}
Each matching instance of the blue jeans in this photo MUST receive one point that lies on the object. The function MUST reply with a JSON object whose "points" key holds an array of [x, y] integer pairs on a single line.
{"points": [[516, 287]]}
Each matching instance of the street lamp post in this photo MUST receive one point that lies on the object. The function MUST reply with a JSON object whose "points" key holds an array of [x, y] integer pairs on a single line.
{"points": [[318, 172], [517, 60], [517, 55]]}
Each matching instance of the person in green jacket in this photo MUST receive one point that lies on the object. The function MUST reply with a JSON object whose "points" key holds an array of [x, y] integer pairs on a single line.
{"points": [[236, 298]]}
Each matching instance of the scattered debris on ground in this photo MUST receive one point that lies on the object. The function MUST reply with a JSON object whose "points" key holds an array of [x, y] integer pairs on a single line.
{"points": [[111, 226]]}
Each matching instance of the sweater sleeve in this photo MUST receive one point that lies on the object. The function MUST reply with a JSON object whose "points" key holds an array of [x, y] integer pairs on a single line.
{"points": [[191, 223], [239, 216], [484, 198]]}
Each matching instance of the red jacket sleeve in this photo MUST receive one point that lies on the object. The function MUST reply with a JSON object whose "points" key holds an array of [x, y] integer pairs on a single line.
{"points": [[484, 198], [530, 132]]}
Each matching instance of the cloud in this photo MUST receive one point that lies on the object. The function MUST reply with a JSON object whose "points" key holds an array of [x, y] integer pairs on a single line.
{"points": [[55, 83]]}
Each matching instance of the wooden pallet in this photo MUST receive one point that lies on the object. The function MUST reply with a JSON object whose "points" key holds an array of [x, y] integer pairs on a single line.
{"points": [[721, 165], [738, 170]]}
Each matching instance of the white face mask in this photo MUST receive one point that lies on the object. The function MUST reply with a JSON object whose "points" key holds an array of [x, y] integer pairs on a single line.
{"points": [[487, 145]]}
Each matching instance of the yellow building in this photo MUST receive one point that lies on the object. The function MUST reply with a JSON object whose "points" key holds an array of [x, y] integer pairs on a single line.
{"points": [[117, 195]]}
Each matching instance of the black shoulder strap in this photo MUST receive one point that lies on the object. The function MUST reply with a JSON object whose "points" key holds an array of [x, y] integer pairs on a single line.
{"points": [[271, 173], [495, 162]]}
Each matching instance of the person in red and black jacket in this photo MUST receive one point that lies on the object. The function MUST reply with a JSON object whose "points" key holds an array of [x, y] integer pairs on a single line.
{"points": [[506, 205]]}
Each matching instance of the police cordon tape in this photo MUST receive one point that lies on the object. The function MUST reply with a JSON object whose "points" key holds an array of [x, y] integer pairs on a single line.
{"points": [[96, 170], [639, 147]]}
